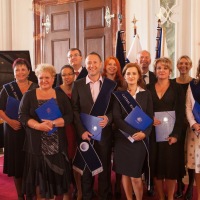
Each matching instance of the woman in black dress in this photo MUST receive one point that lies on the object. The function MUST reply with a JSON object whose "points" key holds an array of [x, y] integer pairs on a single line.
{"points": [[164, 156], [184, 64], [67, 76], [47, 169], [129, 157], [14, 133]]}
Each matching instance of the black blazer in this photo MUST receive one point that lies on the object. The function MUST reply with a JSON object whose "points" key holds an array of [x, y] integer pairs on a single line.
{"points": [[83, 73], [28, 105], [82, 102], [152, 77], [145, 101]]}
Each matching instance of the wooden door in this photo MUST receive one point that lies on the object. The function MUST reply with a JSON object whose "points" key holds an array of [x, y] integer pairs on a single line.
{"points": [[79, 23], [58, 40], [94, 35]]}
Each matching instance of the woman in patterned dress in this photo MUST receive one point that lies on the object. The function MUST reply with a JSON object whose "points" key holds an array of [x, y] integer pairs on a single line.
{"points": [[47, 169], [193, 158]]}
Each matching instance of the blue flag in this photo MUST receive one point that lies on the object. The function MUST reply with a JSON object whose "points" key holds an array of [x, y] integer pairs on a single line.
{"points": [[161, 45], [120, 49]]}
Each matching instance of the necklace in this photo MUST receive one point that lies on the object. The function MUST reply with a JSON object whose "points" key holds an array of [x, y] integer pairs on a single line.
{"points": [[132, 91]]}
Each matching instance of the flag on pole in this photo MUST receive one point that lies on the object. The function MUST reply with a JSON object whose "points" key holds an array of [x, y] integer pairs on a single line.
{"points": [[120, 49], [161, 44], [134, 49]]}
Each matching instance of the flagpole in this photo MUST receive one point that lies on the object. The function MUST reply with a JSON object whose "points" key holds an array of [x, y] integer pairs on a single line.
{"points": [[135, 46], [158, 39], [134, 27], [120, 43]]}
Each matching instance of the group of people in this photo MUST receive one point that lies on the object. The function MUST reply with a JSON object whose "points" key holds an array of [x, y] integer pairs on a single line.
{"points": [[46, 155]]}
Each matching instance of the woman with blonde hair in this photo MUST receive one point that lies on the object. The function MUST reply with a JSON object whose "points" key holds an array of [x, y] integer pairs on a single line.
{"points": [[184, 65], [192, 103], [164, 154], [46, 170]]}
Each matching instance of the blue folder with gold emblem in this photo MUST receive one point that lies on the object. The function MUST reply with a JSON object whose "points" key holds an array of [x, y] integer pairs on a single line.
{"points": [[138, 119], [196, 111], [91, 124], [12, 107], [163, 130], [50, 111]]}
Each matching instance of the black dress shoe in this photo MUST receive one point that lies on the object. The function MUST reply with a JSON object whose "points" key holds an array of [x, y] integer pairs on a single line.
{"points": [[151, 191], [21, 197], [180, 189], [189, 193], [178, 195]]}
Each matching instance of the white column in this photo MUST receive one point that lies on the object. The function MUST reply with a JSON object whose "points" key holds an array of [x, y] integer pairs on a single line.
{"points": [[22, 26], [5, 21], [195, 34]]}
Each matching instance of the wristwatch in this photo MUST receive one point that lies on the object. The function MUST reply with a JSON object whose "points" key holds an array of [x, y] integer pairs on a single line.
{"points": [[53, 124]]}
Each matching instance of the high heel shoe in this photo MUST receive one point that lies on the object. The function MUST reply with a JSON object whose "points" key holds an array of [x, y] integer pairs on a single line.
{"points": [[180, 189], [117, 191], [189, 193], [21, 197]]}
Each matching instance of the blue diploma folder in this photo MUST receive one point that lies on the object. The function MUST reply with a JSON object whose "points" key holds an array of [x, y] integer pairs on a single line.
{"points": [[49, 110], [138, 119], [163, 130], [12, 107], [196, 112], [91, 124]]}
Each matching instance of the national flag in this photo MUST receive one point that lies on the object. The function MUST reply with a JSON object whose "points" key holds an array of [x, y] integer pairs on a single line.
{"points": [[134, 49], [161, 44], [120, 49]]}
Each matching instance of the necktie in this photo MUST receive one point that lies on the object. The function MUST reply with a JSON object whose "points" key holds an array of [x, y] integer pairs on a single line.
{"points": [[144, 76], [76, 73]]}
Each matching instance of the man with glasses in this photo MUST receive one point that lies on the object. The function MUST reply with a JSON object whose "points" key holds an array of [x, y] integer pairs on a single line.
{"points": [[74, 56]]}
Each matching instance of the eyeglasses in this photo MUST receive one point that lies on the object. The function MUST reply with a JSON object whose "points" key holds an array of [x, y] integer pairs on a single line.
{"points": [[70, 74], [74, 55]]}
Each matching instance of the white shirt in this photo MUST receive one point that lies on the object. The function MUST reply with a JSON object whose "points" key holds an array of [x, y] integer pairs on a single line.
{"points": [[94, 86]]}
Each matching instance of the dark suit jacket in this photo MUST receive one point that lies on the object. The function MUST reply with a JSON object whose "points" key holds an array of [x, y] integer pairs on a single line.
{"points": [[82, 102], [152, 77], [83, 73]]}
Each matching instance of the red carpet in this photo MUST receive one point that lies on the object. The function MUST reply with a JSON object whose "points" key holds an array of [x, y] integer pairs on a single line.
{"points": [[7, 189], [8, 192]]}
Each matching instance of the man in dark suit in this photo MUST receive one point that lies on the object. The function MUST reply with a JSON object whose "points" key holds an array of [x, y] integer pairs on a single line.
{"points": [[89, 94], [144, 60], [74, 56]]}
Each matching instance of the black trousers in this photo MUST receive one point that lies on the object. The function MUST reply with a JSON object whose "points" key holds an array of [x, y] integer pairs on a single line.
{"points": [[103, 150]]}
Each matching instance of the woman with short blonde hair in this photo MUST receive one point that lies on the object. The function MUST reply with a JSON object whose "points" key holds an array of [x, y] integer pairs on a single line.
{"points": [[47, 170]]}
